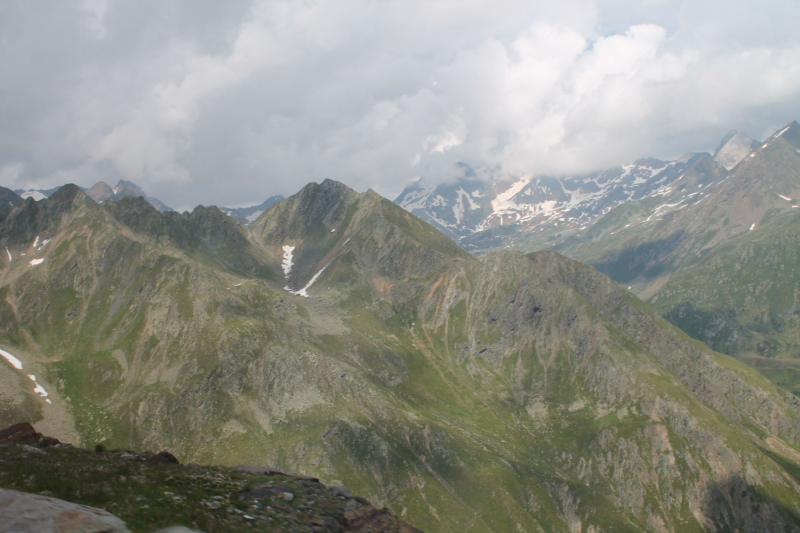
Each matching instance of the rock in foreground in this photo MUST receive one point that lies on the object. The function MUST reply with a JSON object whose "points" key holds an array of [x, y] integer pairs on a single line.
{"points": [[31, 513]]}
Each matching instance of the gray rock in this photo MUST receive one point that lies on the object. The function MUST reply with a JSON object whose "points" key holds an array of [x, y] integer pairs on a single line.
{"points": [[30, 513]]}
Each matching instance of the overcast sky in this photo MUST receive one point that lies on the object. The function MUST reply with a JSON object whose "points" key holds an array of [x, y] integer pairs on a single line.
{"points": [[228, 102]]}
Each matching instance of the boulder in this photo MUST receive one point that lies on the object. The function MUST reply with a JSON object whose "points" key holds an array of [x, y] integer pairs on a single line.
{"points": [[21, 512]]}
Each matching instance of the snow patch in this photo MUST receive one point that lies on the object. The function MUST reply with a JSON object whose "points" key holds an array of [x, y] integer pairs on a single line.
{"points": [[16, 363], [504, 200], [44, 243], [35, 262], [787, 199], [782, 131], [334, 229], [9, 255], [287, 260], [36, 242], [302, 292], [253, 216], [36, 195], [752, 226], [38, 389]]}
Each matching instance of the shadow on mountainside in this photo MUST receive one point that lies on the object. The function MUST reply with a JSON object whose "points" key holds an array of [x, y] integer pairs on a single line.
{"points": [[736, 506], [648, 260]]}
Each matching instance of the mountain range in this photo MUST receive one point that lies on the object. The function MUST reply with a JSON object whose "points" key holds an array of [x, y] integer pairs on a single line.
{"points": [[341, 336], [101, 191], [489, 210]]}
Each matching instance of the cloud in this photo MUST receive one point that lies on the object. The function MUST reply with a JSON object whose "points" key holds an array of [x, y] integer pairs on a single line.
{"points": [[228, 102]]}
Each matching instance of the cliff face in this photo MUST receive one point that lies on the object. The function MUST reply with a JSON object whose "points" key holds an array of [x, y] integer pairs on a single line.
{"points": [[508, 393]]}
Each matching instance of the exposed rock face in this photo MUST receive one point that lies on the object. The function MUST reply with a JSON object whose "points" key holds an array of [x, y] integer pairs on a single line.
{"points": [[512, 392], [31, 513]]}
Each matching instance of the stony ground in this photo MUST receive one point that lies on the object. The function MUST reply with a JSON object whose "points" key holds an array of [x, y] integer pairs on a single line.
{"points": [[153, 491]]}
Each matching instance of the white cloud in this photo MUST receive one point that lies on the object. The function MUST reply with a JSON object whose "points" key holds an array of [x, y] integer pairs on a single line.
{"points": [[233, 101]]}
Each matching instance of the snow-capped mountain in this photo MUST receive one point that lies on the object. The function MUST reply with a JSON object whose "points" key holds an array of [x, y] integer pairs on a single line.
{"points": [[487, 209], [248, 215]]}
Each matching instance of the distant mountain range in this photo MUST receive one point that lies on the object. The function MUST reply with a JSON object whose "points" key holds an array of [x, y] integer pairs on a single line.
{"points": [[341, 336], [487, 210], [101, 191]]}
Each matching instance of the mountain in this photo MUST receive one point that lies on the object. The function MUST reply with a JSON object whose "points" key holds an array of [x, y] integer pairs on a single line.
{"points": [[340, 336], [101, 191], [248, 215], [721, 266], [9, 198], [483, 211]]}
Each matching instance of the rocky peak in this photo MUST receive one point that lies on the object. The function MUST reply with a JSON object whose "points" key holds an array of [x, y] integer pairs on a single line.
{"points": [[328, 223], [790, 134], [734, 148], [100, 192]]}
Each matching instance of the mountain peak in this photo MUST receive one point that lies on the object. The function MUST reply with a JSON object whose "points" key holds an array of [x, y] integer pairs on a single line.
{"points": [[790, 133], [100, 192], [728, 136], [734, 148]]}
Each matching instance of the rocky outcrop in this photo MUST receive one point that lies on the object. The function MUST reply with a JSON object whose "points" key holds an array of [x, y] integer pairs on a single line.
{"points": [[154, 489], [24, 433]]}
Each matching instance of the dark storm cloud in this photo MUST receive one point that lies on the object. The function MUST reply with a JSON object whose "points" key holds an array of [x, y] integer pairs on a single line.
{"points": [[230, 102]]}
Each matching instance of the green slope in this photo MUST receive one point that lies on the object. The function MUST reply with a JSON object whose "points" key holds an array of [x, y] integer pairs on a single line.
{"points": [[511, 393]]}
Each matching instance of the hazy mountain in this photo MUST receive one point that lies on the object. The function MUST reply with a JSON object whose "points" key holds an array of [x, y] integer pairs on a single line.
{"points": [[505, 393], [489, 210], [734, 148], [9, 198], [101, 191], [248, 215]]}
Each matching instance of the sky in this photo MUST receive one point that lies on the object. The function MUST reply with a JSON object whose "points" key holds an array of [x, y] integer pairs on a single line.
{"points": [[227, 103]]}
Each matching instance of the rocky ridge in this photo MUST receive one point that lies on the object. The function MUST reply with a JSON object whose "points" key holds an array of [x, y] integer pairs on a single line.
{"points": [[9, 198], [153, 491]]}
